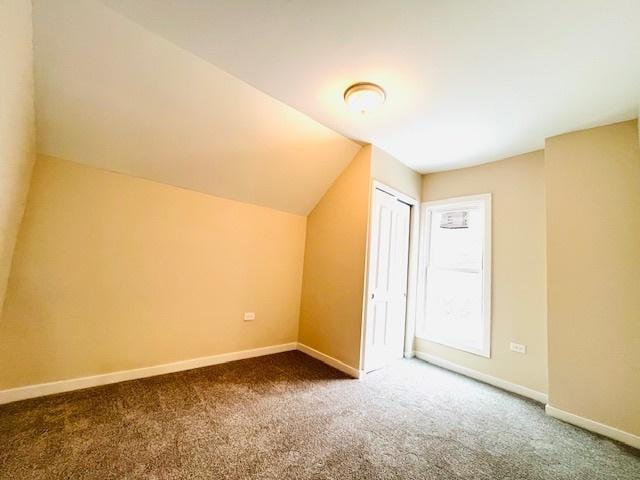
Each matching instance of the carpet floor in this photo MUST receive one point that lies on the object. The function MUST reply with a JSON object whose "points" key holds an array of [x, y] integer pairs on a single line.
{"points": [[288, 416]]}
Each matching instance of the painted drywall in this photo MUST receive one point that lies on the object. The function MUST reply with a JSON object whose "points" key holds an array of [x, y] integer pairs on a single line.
{"points": [[388, 170], [334, 265], [593, 211], [114, 95], [468, 81], [16, 125], [518, 273], [114, 272]]}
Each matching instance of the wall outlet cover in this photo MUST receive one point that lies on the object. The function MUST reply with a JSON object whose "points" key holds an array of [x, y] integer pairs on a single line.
{"points": [[249, 316], [517, 347]]}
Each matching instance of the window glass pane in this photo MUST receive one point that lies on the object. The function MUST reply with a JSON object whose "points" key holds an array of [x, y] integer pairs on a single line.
{"points": [[457, 247], [454, 308]]}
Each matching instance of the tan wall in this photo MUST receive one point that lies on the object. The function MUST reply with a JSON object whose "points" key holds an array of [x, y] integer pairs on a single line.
{"points": [[391, 172], [593, 210], [519, 256], [16, 124], [114, 272], [334, 264]]}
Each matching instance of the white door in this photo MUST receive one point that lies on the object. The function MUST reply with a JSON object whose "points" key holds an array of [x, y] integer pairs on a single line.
{"points": [[387, 282]]}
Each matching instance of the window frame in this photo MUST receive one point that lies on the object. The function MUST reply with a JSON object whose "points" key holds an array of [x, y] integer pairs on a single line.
{"points": [[455, 203]]}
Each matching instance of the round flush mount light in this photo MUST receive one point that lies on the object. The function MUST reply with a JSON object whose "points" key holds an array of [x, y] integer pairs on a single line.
{"points": [[364, 97]]}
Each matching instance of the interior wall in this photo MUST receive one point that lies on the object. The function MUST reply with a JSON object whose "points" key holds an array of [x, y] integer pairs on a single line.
{"points": [[114, 272], [113, 95], [16, 125], [388, 170], [519, 309], [593, 210], [334, 265]]}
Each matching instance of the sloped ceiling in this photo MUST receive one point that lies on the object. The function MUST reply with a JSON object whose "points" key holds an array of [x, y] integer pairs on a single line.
{"points": [[111, 94], [468, 81]]}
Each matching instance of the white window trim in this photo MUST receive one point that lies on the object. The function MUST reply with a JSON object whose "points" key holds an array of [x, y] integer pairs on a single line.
{"points": [[458, 202]]}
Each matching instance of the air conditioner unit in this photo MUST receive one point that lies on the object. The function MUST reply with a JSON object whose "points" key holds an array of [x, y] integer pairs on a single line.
{"points": [[452, 220]]}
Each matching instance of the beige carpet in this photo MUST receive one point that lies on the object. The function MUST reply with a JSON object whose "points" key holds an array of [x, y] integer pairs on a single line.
{"points": [[289, 416]]}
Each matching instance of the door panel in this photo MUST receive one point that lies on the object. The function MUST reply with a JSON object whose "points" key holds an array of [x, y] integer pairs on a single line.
{"points": [[387, 280], [401, 276]]}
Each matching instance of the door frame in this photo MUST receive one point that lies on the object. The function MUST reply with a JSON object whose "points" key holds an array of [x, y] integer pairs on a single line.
{"points": [[412, 270]]}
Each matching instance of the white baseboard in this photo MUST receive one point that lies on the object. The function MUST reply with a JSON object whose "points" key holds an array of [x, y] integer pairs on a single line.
{"points": [[333, 362], [483, 377], [593, 426], [43, 389]]}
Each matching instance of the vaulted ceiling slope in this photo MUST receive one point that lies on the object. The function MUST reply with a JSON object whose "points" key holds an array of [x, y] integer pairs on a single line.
{"points": [[468, 81], [111, 94]]}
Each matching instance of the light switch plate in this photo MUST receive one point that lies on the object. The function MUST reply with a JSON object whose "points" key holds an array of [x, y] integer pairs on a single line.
{"points": [[518, 348], [249, 316]]}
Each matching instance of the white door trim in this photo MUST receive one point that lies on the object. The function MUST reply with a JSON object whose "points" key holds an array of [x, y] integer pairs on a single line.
{"points": [[393, 192], [412, 280]]}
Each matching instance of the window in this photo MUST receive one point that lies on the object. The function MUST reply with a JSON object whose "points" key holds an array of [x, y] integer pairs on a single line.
{"points": [[456, 274]]}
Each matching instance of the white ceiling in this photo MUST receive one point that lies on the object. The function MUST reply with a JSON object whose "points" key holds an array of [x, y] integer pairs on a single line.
{"points": [[114, 95], [468, 81]]}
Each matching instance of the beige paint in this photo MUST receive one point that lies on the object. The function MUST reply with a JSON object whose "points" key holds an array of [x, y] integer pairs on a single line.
{"points": [[114, 95], [113, 272], [334, 265], [391, 172], [16, 124], [593, 210], [519, 259]]}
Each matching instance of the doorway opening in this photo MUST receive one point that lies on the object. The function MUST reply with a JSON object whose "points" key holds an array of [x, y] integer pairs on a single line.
{"points": [[385, 326]]}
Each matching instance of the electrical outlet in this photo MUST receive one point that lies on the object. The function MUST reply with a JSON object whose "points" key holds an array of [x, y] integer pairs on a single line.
{"points": [[249, 316], [518, 348]]}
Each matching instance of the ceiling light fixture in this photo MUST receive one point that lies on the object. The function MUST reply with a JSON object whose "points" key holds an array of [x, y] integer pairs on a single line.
{"points": [[364, 97]]}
